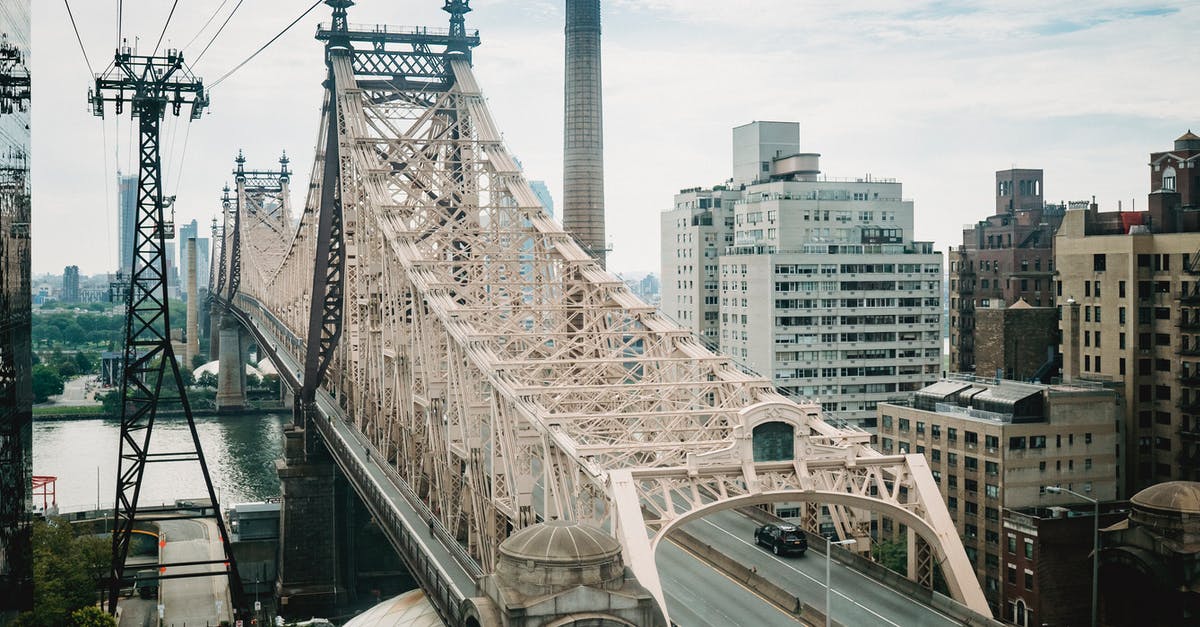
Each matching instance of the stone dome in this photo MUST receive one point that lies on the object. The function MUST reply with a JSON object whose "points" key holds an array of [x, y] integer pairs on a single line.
{"points": [[560, 542], [1172, 496], [560, 554]]}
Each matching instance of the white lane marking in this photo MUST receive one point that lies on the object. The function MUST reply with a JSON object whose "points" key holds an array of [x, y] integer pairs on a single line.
{"points": [[918, 604], [806, 575]]}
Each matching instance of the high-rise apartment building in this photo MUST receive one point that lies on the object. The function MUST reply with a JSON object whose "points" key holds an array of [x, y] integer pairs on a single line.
{"points": [[812, 281], [995, 446], [126, 221], [1129, 291], [1004, 258], [70, 287], [694, 234]]}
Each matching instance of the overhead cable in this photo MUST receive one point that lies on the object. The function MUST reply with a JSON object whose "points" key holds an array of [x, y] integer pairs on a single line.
{"points": [[264, 46], [79, 39]]}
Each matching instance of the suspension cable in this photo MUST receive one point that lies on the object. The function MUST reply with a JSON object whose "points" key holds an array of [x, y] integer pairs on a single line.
{"points": [[165, 25], [264, 46], [206, 24], [217, 34], [79, 39]]}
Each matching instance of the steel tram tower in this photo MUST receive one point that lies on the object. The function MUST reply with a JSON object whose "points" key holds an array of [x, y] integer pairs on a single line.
{"points": [[16, 387], [151, 85]]}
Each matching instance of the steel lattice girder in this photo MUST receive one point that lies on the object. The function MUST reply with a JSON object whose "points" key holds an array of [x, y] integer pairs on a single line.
{"points": [[504, 373]]}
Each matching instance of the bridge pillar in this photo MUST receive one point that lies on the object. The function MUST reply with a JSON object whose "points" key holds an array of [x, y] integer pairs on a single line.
{"points": [[309, 583], [214, 333], [231, 379]]}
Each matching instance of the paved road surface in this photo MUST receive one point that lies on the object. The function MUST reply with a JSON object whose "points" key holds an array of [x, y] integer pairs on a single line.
{"points": [[857, 599], [697, 595], [193, 600]]}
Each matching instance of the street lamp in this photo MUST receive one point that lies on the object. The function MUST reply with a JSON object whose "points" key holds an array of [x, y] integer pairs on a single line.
{"points": [[829, 543], [1095, 544]]}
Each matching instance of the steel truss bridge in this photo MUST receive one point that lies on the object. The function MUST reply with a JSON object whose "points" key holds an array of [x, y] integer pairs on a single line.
{"points": [[423, 303]]}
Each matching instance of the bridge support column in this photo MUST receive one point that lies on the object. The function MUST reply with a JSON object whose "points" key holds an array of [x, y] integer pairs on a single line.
{"points": [[308, 581], [231, 380], [214, 333]]}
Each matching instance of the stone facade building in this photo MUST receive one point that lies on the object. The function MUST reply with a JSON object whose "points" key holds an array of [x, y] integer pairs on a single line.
{"points": [[1021, 341], [1004, 258], [1129, 290], [997, 445], [811, 281]]}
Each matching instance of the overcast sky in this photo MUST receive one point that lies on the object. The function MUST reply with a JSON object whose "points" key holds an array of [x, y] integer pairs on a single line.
{"points": [[937, 94]]}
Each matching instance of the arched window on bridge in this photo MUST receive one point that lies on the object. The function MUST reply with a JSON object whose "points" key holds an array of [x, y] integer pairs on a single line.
{"points": [[774, 441]]}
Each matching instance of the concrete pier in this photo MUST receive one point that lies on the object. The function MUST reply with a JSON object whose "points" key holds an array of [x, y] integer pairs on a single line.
{"points": [[231, 379]]}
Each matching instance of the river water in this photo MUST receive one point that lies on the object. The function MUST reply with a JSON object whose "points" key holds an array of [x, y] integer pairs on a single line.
{"points": [[240, 451]]}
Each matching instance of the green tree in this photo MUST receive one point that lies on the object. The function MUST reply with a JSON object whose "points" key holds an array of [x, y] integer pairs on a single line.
{"points": [[91, 617], [892, 554], [67, 570], [46, 383], [111, 401], [197, 361], [207, 379], [86, 363]]}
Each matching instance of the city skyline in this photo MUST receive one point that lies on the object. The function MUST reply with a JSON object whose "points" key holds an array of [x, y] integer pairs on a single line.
{"points": [[1064, 89]]}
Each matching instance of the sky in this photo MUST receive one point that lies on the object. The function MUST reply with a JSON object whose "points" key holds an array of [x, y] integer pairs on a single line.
{"points": [[937, 94]]}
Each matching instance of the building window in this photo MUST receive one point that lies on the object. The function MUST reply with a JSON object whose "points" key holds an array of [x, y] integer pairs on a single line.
{"points": [[1028, 549], [1012, 574], [1098, 262], [904, 424], [1012, 544], [1028, 579], [992, 491]]}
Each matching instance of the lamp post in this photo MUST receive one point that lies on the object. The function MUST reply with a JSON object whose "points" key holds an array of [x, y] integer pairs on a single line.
{"points": [[829, 544], [1095, 545]]}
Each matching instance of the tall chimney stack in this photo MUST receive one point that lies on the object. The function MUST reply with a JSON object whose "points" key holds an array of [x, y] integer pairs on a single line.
{"points": [[193, 306], [583, 132]]}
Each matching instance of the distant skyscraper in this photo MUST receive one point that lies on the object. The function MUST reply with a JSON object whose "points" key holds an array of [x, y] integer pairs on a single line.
{"points": [[543, 194], [70, 288], [126, 220]]}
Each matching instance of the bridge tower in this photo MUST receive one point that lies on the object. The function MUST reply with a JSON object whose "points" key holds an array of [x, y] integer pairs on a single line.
{"points": [[151, 377]]}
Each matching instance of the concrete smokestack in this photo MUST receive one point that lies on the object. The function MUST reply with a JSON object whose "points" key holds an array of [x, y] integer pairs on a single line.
{"points": [[193, 306], [583, 132]]}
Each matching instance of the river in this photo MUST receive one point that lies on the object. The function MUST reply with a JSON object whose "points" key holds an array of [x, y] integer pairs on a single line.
{"points": [[240, 451]]}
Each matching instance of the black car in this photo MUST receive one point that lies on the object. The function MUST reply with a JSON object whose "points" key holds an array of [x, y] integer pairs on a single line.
{"points": [[781, 539]]}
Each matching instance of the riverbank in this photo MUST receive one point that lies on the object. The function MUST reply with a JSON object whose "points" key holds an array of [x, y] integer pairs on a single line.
{"points": [[88, 412]]}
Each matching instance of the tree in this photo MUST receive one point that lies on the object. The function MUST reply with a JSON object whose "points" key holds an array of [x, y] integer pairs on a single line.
{"points": [[207, 379], [67, 570], [91, 617], [85, 362], [892, 554], [111, 401], [46, 383], [197, 361]]}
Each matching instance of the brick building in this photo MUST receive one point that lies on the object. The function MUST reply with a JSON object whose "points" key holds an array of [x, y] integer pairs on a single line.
{"points": [[1004, 258], [1021, 341], [1048, 564]]}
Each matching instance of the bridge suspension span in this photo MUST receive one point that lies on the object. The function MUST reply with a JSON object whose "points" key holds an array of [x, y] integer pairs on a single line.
{"points": [[496, 367]]}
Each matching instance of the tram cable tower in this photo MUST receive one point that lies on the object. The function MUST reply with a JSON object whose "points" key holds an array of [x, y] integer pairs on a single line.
{"points": [[152, 85], [16, 387]]}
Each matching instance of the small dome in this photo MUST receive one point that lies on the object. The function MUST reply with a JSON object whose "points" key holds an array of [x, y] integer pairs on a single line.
{"points": [[561, 542], [550, 557], [1171, 496]]}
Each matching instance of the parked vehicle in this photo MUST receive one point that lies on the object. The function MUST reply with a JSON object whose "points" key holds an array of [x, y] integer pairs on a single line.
{"points": [[146, 583], [781, 539]]}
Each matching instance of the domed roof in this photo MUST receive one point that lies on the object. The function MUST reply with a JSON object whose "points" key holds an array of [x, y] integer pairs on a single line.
{"points": [[1170, 496], [560, 542]]}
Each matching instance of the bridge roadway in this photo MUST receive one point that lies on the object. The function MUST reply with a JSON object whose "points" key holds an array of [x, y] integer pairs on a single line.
{"points": [[696, 594]]}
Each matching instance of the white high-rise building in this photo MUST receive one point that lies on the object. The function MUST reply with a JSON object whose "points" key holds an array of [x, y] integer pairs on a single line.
{"points": [[812, 281]]}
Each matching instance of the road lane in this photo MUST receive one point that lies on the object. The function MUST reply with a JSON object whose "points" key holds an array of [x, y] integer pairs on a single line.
{"points": [[698, 595], [193, 600], [857, 599]]}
